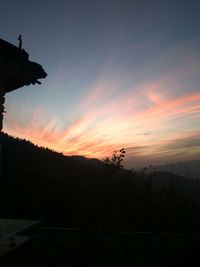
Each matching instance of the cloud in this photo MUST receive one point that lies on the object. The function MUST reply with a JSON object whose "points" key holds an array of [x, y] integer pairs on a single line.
{"points": [[97, 132], [154, 116], [184, 143], [110, 123], [184, 147]]}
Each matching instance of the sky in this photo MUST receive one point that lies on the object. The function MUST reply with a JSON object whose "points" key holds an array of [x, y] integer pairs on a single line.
{"points": [[121, 73]]}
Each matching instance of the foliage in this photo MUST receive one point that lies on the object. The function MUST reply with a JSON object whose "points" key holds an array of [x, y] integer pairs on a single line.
{"points": [[38, 183], [116, 159]]}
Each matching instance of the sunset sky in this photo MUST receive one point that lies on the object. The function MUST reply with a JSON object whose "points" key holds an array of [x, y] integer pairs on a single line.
{"points": [[121, 73]]}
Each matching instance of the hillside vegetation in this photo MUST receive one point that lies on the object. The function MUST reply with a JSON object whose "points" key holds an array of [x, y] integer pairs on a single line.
{"points": [[89, 194]]}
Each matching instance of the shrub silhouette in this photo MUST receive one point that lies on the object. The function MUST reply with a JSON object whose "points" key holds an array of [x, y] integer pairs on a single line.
{"points": [[116, 159]]}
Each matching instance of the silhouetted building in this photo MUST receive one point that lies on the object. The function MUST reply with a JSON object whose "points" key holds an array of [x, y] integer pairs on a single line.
{"points": [[16, 70]]}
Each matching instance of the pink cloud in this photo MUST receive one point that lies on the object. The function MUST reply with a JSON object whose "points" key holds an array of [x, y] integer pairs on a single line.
{"points": [[114, 115], [92, 136]]}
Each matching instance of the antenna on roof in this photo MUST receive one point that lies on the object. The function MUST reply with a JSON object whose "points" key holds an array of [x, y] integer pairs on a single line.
{"points": [[20, 41]]}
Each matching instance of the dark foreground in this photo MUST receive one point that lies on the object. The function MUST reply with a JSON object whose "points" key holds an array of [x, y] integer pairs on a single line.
{"points": [[62, 247]]}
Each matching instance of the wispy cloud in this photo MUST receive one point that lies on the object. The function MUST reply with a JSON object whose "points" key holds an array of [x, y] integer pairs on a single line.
{"points": [[150, 118], [183, 147], [98, 131]]}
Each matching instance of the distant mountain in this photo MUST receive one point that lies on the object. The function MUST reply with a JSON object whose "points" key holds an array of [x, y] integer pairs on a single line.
{"points": [[172, 181], [88, 161], [190, 169]]}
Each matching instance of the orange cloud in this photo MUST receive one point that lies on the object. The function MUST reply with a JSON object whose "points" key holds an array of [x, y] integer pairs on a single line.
{"points": [[116, 112], [99, 131]]}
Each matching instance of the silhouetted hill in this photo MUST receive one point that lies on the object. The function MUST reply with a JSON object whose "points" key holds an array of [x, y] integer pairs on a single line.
{"points": [[190, 169], [21, 158], [182, 184], [38, 183]]}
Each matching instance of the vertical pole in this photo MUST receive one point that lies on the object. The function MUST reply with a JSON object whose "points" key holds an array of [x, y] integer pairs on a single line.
{"points": [[2, 100]]}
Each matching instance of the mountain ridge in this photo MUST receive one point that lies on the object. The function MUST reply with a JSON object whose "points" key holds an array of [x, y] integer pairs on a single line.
{"points": [[190, 169], [75, 192]]}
